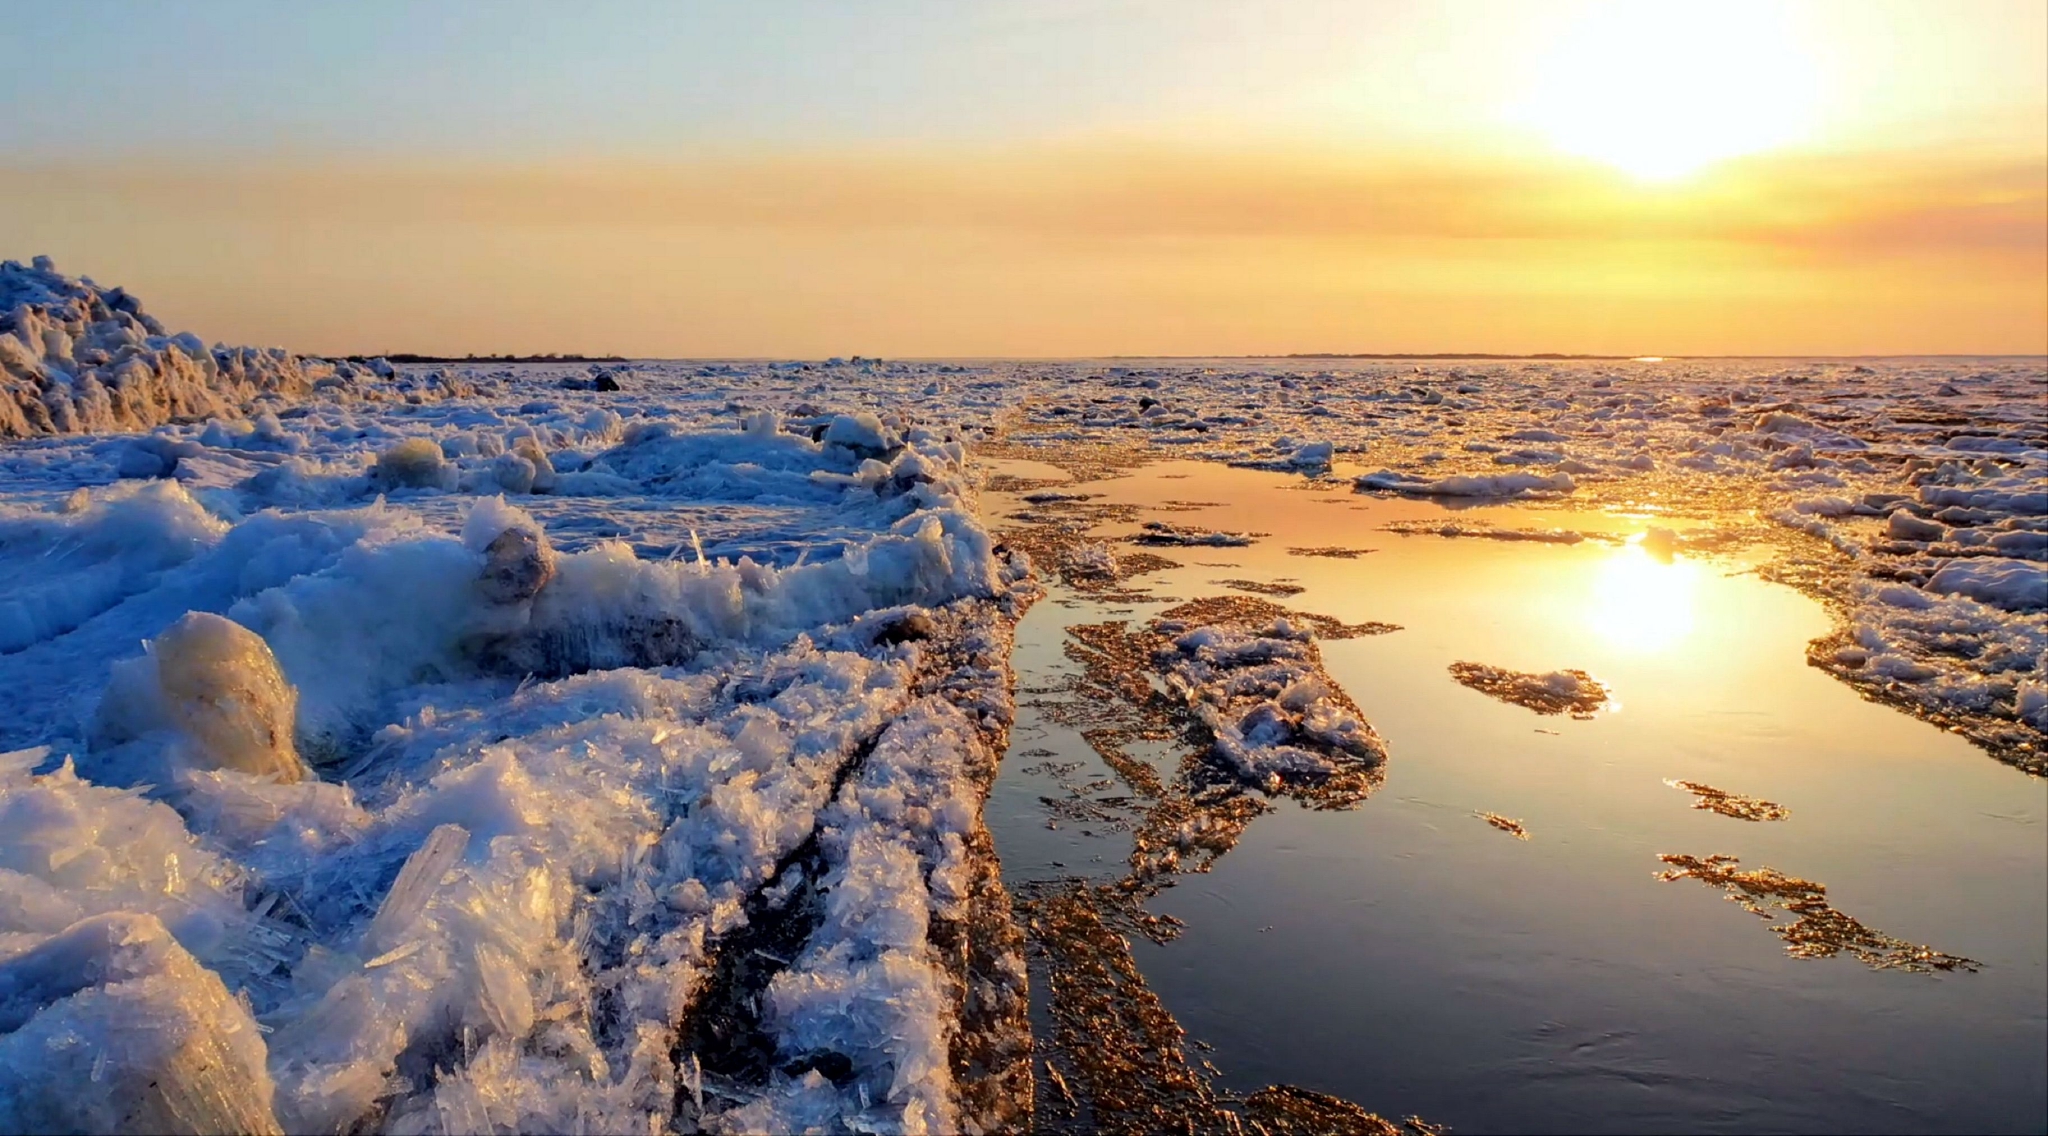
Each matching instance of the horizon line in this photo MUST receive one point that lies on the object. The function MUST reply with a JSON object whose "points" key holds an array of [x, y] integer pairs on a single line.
{"points": [[417, 358]]}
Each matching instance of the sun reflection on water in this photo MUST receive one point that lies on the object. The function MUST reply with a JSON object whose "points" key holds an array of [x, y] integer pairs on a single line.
{"points": [[1642, 601]]}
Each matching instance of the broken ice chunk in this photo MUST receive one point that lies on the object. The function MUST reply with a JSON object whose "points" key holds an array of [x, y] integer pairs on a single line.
{"points": [[121, 1030]]}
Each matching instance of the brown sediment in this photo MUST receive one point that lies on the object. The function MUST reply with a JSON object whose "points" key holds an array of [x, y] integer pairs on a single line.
{"points": [[1055, 533], [1261, 587], [1505, 824], [1333, 552], [1284, 1110], [1534, 691], [1731, 804], [1011, 483], [1820, 931], [1120, 1046]]}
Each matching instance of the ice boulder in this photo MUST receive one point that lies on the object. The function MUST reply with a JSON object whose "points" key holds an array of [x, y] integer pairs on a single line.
{"points": [[1313, 455], [112, 1026], [416, 463], [518, 561], [217, 685]]}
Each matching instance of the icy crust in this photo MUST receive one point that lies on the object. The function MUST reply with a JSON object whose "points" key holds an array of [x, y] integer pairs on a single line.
{"points": [[1571, 692], [58, 571], [126, 1032], [78, 358]]}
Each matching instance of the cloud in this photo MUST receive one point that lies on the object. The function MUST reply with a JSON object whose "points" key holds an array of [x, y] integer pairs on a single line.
{"points": [[1069, 251]]}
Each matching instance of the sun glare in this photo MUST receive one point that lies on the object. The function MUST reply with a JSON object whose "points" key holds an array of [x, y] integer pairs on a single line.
{"points": [[1642, 602], [1662, 88]]}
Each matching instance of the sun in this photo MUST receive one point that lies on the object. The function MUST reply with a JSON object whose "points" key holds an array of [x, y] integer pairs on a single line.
{"points": [[1662, 88]]}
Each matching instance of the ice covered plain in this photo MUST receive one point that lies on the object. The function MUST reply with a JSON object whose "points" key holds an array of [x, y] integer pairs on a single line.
{"points": [[466, 748]]}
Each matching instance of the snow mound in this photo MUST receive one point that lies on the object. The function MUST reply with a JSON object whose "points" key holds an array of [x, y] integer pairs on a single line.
{"points": [[2014, 585], [58, 570]]}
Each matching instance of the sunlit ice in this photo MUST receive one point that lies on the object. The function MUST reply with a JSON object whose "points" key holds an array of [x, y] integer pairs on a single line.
{"points": [[1661, 89]]}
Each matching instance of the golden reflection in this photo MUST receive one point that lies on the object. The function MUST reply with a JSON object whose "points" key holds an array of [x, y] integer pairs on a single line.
{"points": [[1642, 601]]}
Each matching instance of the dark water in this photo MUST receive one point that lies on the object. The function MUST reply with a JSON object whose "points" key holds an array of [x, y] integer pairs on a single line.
{"points": [[1409, 957]]}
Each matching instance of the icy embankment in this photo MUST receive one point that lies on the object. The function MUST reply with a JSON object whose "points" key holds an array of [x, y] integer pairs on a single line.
{"points": [[79, 358], [412, 821]]}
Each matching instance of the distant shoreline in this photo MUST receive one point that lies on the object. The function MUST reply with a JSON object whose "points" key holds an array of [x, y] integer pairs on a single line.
{"points": [[403, 357]]}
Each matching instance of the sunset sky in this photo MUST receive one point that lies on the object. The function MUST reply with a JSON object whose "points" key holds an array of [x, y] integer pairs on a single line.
{"points": [[1048, 178]]}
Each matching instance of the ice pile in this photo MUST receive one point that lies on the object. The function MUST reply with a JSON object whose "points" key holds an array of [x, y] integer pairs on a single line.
{"points": [[78, 358]]}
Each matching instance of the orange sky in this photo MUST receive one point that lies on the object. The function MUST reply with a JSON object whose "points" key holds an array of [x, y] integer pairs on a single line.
{"points": [[1894, 226]]}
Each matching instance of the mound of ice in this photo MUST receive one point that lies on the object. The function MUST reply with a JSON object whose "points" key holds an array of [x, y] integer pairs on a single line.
{"points": [[415, 463], [77, 358]]}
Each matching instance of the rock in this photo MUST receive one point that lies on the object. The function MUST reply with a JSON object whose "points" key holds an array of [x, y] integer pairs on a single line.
{"points": [[518, 563], [907, 628]]}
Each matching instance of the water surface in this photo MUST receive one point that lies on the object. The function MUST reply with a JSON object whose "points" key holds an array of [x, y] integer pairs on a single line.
{"points": [[1409, 957]]}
